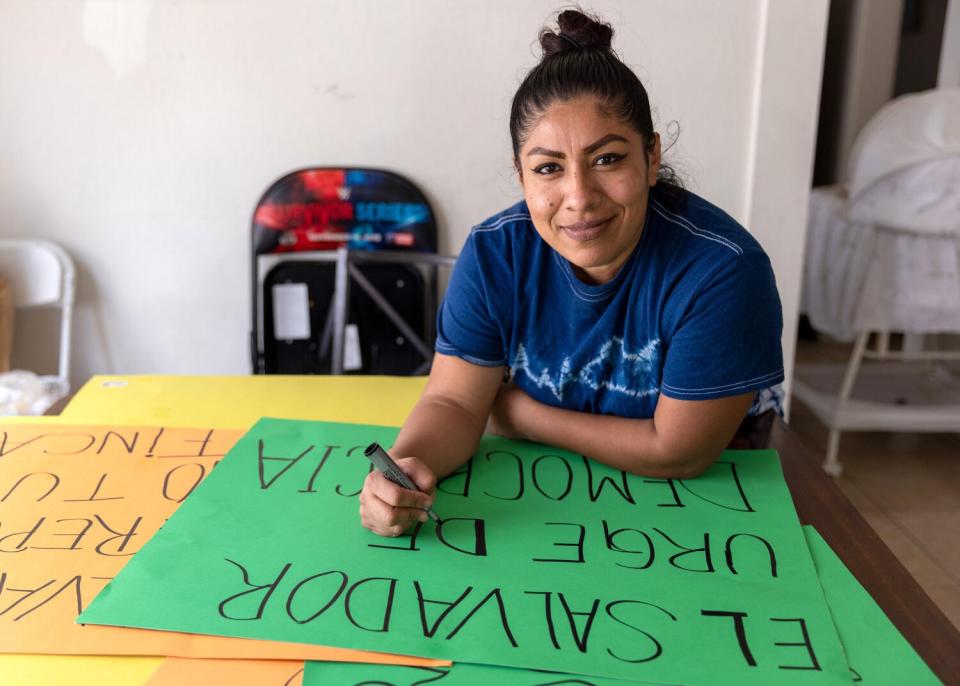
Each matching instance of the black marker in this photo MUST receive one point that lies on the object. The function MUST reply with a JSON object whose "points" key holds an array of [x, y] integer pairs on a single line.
{"points": [[382, 461]]}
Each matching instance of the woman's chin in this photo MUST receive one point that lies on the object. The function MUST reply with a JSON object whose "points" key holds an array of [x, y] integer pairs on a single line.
{"points": [[593, 271]]}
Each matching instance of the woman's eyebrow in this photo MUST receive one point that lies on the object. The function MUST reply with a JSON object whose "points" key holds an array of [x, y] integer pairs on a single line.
{"points": [[609, 138], [596, 145], [543, 151]]}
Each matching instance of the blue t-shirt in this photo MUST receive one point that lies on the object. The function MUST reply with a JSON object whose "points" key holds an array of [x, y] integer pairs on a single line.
{"points": [[693, 314]]}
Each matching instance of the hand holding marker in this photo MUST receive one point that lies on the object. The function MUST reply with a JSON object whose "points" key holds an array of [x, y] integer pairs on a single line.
{"points": [[382, 461]]}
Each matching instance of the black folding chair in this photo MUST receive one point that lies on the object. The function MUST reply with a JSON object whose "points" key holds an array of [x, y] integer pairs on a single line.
{"points": [[316, 234]]}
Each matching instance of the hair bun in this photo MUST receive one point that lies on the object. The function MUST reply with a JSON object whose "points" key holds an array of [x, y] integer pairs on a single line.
{"points": [[578, 31]]}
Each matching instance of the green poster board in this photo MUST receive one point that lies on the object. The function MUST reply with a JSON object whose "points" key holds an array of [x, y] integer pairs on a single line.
{"points": [[881, 655], [461, 674], [544, 560], [878, 654]]}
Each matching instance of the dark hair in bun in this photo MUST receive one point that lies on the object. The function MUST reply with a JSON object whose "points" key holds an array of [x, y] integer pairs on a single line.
{"points": [[578, 60], [577, 32]]}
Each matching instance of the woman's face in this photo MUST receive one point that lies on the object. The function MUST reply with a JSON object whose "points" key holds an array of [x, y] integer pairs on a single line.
{"points": [[586, 180]]}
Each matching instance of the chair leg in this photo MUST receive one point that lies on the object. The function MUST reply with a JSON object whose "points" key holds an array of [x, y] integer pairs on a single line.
{"points": [[832, 464], [341, 305]]}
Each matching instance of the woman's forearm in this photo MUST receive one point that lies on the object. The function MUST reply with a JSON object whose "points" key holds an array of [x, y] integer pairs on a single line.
{"points": [[628, 444], [440, 433], [682, 440], [445, 425]]}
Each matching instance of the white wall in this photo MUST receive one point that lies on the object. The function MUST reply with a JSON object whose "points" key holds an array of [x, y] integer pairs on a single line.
{"points": [[949, 73], [140, 134], [778, 181], [871, 68]]}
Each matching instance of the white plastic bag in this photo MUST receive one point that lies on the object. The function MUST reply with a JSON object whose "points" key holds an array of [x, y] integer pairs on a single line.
{"points": [[25, 393]]}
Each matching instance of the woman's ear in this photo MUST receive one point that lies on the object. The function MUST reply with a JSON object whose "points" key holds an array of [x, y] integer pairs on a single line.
{"points": [[519, 170], [653, 167]]}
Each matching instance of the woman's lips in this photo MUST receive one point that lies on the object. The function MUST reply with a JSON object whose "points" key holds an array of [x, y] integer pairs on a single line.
{"points": [[585, 230]]}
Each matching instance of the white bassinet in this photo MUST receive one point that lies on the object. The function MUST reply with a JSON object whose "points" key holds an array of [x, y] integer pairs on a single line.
{"points": [[882, 256]]}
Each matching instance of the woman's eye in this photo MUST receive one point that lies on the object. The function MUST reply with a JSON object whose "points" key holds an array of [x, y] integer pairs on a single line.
{"points": [[608, 158], [547, 168]]}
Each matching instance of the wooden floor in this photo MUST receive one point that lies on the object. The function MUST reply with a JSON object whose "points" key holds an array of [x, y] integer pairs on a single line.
{"points": [[907, 486]]}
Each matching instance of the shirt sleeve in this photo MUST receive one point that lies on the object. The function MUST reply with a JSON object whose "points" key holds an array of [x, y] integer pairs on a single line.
{"points": [[466, 324], [727, 340]]}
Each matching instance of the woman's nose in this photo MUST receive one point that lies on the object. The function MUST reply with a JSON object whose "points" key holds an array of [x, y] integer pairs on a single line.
{"points": [[581, 191]]}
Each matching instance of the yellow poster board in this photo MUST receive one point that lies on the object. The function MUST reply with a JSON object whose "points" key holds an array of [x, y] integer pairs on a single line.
{"points": [[237, 402], [77, 670]]}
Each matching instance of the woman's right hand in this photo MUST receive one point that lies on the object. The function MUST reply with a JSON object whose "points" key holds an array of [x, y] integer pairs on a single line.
{"points": [[388, 509]]}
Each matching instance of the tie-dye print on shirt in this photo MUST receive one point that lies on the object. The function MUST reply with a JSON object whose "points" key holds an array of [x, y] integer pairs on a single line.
{"points": [[693, 314], [612, 371]]}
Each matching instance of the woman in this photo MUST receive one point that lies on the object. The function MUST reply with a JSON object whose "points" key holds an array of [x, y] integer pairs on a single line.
{"points": [[638, 322]]}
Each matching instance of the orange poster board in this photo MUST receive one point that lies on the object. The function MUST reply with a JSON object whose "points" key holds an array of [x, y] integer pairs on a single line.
{"points": [[176, 671], [76, 502]]}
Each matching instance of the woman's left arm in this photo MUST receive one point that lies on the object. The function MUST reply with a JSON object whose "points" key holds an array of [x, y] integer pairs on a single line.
{"points": [[683, 438]]}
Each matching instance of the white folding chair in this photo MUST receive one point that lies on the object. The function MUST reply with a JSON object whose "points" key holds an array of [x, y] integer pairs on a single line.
{"points": [[41, 274]]}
